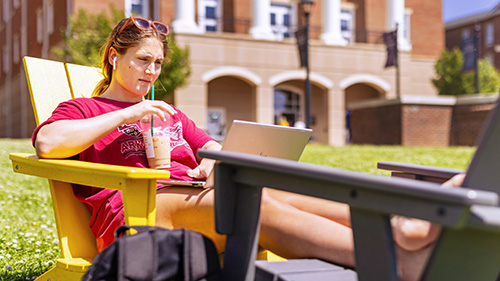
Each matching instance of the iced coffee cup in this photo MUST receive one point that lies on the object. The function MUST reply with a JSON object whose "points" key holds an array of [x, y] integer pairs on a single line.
{"points": [[156, 136]]}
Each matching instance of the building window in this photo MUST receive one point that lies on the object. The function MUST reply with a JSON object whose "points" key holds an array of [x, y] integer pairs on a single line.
{"points": [[16, 49], [489, 37], [280, 20], [50, 16], [347, 24], [287, 107], [208, 15], [39, 26], [6, 10], [407, 25], [6, 59], [465, 34], [137, 8]]}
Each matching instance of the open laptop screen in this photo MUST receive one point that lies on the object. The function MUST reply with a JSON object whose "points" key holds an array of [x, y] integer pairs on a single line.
{"points": [[260, 139]]}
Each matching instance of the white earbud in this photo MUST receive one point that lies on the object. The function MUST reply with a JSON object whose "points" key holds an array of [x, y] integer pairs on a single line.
{"points": [[114, 63]]}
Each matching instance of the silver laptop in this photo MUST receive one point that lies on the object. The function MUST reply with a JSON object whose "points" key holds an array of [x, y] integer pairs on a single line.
{"points": [[260, 139]]}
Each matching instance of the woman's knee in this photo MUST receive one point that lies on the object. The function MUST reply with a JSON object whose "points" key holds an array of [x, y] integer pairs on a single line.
{"points": [[413, 234]]}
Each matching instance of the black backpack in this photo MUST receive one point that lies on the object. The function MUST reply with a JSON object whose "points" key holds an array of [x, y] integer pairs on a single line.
{"points": [[155, 254]]}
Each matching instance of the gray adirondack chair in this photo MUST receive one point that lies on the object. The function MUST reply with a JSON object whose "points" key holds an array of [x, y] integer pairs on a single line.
{"points": [[467, 249]]}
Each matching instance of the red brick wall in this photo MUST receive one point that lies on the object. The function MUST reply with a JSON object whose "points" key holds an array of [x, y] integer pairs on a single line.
{"points": [[376, 125], [420, 124], [424, 125], [468, 121]]}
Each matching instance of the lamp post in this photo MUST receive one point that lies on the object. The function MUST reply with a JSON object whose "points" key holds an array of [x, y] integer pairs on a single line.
{"points": [[306, 6]]}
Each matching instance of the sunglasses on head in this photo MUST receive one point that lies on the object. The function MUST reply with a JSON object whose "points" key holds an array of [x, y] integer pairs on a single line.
{"points": [[146, 24]]}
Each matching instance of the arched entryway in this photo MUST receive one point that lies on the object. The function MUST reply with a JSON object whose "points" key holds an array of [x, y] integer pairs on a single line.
{"points": [[359, 89], [361, 93], [229, 98]]}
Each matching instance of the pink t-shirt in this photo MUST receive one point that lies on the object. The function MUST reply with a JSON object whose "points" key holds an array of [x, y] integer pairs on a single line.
{"points": [[124, 146]]}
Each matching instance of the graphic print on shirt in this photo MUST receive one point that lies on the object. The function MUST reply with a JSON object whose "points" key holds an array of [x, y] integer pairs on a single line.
{"points": [[133, 145], [177, 137]]}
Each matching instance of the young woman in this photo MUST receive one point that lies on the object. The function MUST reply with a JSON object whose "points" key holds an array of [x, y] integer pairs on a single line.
{"points": [[104, 129]]}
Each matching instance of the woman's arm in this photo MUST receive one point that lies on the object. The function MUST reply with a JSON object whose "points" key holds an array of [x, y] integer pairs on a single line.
{"points": [[66, 138]]}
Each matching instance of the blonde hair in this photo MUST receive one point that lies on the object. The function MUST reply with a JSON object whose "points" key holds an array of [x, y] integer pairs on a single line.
{"points": [[130, 37]]}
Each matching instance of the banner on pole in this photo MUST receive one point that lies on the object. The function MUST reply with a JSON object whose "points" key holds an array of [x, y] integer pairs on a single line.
{"points": [[391, 43], [301, 36], [468, 49]]}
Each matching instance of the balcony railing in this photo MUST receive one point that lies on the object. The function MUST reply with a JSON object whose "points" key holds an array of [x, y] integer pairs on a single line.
{"points": [[242, 26]]}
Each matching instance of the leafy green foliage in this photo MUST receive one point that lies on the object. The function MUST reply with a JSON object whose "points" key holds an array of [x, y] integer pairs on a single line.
{"points": [[89, 32], [449, 70], [452, 81], [489, 77]]}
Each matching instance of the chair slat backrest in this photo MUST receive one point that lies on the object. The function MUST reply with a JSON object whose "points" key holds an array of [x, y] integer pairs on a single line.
{"points": [[82, 79], [49, 86]]}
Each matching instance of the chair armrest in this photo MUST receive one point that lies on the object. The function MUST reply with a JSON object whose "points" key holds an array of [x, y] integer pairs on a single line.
{"points": [[138, 185], [419, 172], [80, 172]]}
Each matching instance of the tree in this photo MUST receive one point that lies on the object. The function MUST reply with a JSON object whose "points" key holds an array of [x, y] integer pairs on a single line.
{"points": [[449, 70], [489, 78], [452, 81], [87, 34]]}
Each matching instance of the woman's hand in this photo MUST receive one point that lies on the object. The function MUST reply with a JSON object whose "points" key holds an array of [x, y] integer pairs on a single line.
{"points": [[206, 165], [134, 113], [455, 181]]}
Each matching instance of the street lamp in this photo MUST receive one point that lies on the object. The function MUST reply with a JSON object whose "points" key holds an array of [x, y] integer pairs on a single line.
{"points": [[306, 6]]}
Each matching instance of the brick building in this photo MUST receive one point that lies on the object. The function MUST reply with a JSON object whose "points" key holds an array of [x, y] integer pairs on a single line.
{"points": [[487, 26], [244, 58]]}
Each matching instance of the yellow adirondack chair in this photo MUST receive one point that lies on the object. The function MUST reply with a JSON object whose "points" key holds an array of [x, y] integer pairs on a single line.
{"points": [[49, 83]]}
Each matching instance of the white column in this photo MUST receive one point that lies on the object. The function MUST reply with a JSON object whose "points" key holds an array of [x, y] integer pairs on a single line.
{"points": [[395, 14], [261, 20], [184, 17], [331, 23]]}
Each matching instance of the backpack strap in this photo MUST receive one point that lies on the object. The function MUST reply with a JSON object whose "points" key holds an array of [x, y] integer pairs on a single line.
{"points": [[137, 254], [201, 260]]}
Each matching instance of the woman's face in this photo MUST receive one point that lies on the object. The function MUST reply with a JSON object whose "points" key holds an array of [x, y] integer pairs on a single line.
{"points": [[139, 67]]}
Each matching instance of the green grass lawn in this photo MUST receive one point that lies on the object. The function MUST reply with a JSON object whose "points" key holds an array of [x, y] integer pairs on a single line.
{"points": [[28, 240]]}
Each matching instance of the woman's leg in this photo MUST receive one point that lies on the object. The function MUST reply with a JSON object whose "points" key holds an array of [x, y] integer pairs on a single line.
{"points": [[331, 210], [192, 208], [285, 229], [295, 233], [293, 226]]}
